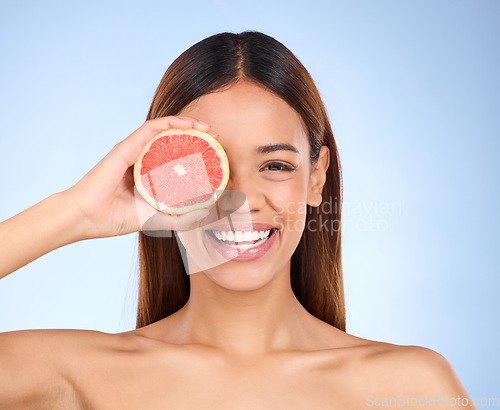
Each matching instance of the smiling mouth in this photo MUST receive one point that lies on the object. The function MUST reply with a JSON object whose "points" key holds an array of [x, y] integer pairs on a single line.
{"points": [[242, 240]]}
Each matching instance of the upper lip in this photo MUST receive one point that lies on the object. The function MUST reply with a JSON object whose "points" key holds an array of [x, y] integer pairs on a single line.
{"points": [[242, 227]]}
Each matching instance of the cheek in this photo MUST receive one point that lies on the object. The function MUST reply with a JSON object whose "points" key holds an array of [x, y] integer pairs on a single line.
{"points": [[288, 200]]}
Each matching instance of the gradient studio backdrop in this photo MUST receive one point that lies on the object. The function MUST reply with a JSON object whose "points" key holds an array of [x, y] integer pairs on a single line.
{"points": [[412, 89]]}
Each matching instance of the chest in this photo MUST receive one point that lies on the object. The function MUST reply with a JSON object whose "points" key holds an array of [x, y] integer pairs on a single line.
{"points": [[191, 383]]}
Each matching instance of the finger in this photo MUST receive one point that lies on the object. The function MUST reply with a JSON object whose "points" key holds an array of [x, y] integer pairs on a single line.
{"points": [[131, 147], [200, 125], [150, 128], [185, 123], [213, 134]]}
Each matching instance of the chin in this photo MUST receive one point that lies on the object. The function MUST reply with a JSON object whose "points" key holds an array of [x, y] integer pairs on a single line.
{"points": [[242, 279]]}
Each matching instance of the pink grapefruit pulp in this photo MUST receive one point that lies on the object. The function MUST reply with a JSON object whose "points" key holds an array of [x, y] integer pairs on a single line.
{"points": [[179, 171]]}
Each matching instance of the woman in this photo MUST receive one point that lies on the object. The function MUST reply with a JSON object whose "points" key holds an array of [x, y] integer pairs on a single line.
{"points": [[262, 333]]}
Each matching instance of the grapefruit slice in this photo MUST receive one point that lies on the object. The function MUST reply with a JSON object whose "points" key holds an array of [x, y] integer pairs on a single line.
{"points": [[179, 171]]}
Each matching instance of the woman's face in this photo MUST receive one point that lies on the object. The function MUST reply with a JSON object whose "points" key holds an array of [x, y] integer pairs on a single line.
{"points": [[270, 187]]}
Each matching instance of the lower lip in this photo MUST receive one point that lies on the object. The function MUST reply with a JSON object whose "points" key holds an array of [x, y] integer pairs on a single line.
{"points": [[241, 255]]}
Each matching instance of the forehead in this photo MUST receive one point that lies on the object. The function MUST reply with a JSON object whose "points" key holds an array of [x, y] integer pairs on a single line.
{"points": [[246, 115]]}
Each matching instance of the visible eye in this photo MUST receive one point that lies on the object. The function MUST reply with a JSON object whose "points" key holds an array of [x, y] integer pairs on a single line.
{"points": [[280, 165]]}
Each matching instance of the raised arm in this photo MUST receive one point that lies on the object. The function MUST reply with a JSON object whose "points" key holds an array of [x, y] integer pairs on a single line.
{"points": [[46, 226], [102, 204], [36, 365]]}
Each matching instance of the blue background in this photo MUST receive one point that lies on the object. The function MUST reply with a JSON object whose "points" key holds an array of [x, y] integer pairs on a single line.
{"points": [[411, 87]]}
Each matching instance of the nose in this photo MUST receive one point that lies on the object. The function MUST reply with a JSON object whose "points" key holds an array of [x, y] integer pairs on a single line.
{"points": [[241, 190]]}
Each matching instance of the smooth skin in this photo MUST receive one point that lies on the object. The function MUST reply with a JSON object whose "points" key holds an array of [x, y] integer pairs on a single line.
{"points": [[243, 341]]}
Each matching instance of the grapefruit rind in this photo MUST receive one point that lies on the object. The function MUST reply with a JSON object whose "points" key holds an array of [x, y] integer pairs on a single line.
{"points": [[182, 210]]}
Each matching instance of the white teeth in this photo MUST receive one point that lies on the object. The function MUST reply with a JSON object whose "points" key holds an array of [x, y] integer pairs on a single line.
{"points": [[239, 236]]}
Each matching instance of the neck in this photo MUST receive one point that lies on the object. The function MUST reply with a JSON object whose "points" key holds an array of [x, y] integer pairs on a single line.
{"points": [[244, 323]]}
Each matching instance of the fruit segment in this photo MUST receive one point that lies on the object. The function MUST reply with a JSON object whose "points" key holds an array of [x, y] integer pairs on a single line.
{"points": [[181, 171], [188, 181]]}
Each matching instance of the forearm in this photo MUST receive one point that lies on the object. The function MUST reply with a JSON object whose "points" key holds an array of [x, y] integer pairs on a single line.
{"points": [[45, 226]]}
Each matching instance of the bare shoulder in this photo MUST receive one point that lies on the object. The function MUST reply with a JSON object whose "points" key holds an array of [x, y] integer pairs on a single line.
{"points": [[421, 366], [39, 366], [63, 344], [389, 370]]}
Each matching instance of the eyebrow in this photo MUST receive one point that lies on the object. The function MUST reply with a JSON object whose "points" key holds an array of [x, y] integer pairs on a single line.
{"points": [[265, 149]]}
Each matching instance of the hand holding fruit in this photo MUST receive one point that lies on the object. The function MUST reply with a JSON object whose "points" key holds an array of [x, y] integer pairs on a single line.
{"points": [[104, 198]]}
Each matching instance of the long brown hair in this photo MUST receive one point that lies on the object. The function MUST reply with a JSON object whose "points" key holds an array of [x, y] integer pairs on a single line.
{"points": [[210, 65]]}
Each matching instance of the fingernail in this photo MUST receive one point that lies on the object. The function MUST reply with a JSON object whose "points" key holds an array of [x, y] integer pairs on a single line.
{"points": [[202, 122]]}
